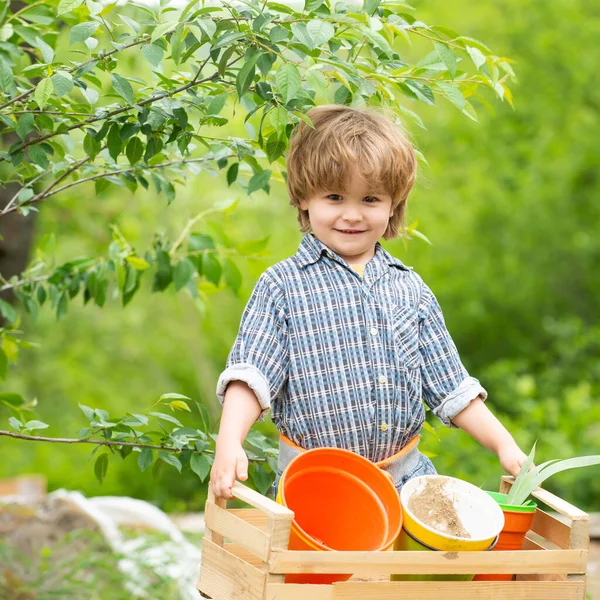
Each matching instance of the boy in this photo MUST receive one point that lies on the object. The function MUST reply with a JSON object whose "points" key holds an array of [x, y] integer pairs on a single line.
{"points": [[341, 340]]}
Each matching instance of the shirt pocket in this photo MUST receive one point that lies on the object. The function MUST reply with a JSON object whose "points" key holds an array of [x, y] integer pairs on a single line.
{"points": [[405, 333]]}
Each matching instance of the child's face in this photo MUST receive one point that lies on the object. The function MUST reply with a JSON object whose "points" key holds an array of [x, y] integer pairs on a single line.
{"points": [[351, 222]]}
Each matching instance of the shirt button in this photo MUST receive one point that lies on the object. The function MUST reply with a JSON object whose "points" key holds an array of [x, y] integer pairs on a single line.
{"points": [[382, 379], [384, 427], [373, 331]]}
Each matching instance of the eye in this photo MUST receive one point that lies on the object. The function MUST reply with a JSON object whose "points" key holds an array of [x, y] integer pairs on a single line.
{"points": [[371, 199], [334, 197]]}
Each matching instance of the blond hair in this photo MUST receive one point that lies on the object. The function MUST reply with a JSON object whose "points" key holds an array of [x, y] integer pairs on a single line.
{"points": [[345, 139]]}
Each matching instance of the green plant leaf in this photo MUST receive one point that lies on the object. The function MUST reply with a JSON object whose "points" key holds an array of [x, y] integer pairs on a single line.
{"points": [[204, 417], [47, 51], [518, 484], [182, 273], [82, 31], [35, 425], [319, 31], [288, 81], [7, 311], [170, 459], [200, 464], [43, 91], [447, 56], [153, 54], [122, 87], [7, 81], [173, 396], [165, 417], [135, 150], [145, 459], [233, 276], [62, 82], [65, 6], [101, 467]]}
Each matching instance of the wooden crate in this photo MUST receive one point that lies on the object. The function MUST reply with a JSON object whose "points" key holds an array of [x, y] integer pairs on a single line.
{"points": [[245, 557]]}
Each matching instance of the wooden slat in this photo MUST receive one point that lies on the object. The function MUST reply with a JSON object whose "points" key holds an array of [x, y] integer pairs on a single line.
{"points": [[242, 553], [228, 525], [529, 544], [264, 504], [552, 529], [209, 534], [301, 591], [385, 563], [456, 590], [224, 576], [252, 516]]}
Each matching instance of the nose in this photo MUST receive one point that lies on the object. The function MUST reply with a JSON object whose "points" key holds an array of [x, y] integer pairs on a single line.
{"points": [[352, 215]]}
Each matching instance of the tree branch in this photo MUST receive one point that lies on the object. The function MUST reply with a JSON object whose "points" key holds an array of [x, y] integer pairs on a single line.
{"points": [[37, 438], [123, 109], [40, 197]]}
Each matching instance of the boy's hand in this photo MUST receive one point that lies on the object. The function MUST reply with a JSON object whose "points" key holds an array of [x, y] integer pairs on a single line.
{"points": [[230, 463], [511, 459]]}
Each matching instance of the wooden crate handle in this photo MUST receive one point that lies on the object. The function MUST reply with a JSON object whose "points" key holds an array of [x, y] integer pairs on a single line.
{"points": [[262, 503]]}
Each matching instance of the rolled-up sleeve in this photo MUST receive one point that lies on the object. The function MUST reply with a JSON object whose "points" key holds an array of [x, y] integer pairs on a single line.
{"points": [[447, 387], [259, 355]]}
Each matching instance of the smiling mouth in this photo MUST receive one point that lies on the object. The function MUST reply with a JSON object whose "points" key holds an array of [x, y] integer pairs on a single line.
{"points": [[351, 231]]}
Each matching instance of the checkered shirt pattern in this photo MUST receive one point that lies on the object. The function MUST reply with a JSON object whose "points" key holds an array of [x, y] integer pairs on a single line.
{"points": [[346, 361]]}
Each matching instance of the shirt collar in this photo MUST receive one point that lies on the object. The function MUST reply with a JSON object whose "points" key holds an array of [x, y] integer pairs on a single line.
{"points": [[311, 250]]}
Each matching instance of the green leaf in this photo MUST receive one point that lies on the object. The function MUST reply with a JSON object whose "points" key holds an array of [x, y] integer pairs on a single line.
{"points": [[62, 82], [133, 24], [35, 425], [518, 484], [453, 94], [38, 156], [233, 276], [138, 263], [182, 273], [477, 56], [135, 150], [204, 417], [245, 75], [7, 81], [261, 478], [88, 412], [160, 30], [47, 51], [259, 181], [170, 459], [65, 6], [320, 32], [165, 417], [145, 459], [153, 53], [7, 311], [43, 91], [82, 31], [173, 396], [177, 43], [179, 405], [447, 56], [279, 119], [113, 140], [288, 81], [122, 87], [91, 146], [200, 465], [15, 424], [101, 467], [211, 268]]}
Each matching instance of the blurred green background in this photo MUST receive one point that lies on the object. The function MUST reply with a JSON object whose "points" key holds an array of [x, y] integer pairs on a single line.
{"points": [[510, 205]]}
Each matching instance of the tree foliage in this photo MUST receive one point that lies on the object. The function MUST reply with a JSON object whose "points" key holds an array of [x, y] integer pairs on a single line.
{"points": [[82, 118]]}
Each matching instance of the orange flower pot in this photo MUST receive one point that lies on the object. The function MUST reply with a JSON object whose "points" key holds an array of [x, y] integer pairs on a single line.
{"points": [[517, 522]]}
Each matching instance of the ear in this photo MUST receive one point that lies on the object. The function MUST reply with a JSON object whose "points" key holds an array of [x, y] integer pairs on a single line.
{"points": [[304, 204]]}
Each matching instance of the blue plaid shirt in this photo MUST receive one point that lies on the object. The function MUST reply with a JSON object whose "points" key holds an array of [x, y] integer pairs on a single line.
{"points": [[346, 361]]}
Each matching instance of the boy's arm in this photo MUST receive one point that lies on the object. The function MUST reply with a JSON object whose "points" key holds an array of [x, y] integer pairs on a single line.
{"points": [[240, 411], [479, 422]]}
